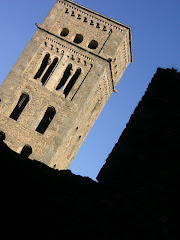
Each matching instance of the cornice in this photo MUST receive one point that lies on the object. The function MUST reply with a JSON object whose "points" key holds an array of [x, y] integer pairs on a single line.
{"points": [[112, 24]]}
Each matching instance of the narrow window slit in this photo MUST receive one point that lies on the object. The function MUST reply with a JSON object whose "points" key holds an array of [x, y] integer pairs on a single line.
{"points": [[23, 100], [46, 120], [72, 82]]}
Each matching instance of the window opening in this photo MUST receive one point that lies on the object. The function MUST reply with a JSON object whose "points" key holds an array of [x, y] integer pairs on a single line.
{"points": [[65, 77], [47, 119], [64, 32], [72, 82], [23, 100], [78, 39], [26, 151], [43, 66], [93, 44], [49, 71]]}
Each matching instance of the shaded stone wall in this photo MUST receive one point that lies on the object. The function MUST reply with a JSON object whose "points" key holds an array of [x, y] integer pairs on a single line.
{"points": [[144, 165], [137, 196], [152, 134]]}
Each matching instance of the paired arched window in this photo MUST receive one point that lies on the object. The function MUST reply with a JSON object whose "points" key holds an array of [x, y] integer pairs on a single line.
{"points": [[23, 100], [46, 120], [44, 68], [65, 84], [49, 71], [72, 82], [43, 125], [65, 77]]}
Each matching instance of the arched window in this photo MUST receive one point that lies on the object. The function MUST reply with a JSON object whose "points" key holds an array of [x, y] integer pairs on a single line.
{"points": [[26, 151], [23, 100], [93, 44], [48, 117], [78, 39], [43, 66], [64, 32], [49, 71], [65, 77], [72, 82]]}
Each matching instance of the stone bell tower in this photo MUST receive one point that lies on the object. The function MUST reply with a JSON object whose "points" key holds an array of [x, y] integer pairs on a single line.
{"points": [[61, 82]]}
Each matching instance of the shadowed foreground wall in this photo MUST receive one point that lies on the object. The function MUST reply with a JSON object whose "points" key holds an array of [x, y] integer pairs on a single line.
{"points": [[137, 193]]}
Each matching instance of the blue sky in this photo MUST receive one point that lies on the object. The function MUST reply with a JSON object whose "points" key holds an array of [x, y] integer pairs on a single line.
{"points": [[156, 43]]}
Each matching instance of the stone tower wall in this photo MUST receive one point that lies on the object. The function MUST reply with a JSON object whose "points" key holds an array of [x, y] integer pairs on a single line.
{"points": [[100, 67]]}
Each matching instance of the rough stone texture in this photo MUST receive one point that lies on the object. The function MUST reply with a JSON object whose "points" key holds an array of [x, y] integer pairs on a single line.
{"points": [[137, 196], [101, 69]]}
